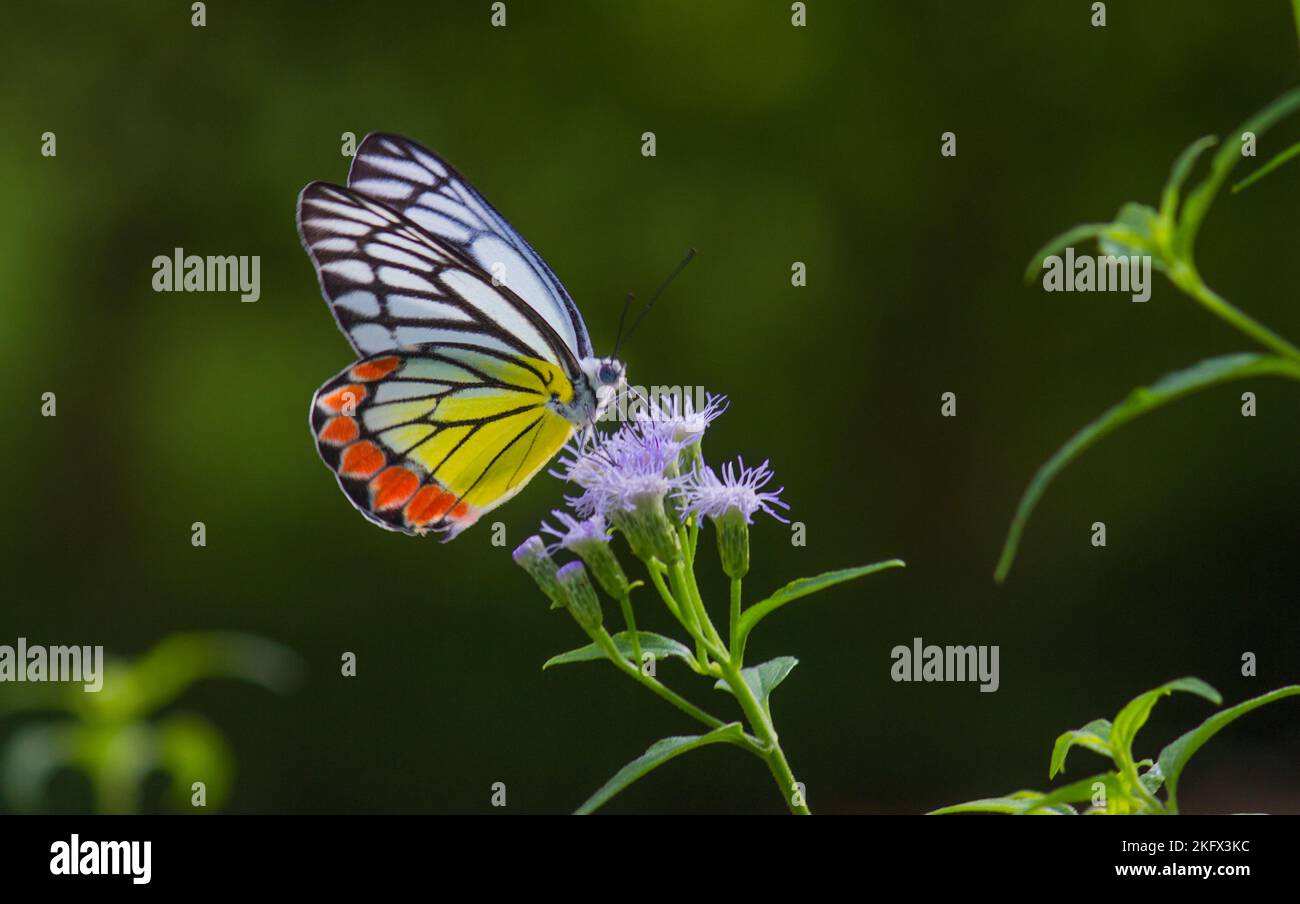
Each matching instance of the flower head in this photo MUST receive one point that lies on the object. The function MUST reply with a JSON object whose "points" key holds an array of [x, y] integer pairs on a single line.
{"points": [[739, 490], [573, 533], [625, 476], [681, 422], [619, 471], [589, 539]]}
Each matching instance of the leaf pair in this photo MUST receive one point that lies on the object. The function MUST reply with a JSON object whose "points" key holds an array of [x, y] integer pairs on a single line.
{"points": [[1124, 790], [758, 681]]}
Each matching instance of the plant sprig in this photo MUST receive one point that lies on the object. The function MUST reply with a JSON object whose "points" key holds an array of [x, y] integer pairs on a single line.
{"points": [[1133, 786], [1168, 236], [119, 736], [650, 482]]}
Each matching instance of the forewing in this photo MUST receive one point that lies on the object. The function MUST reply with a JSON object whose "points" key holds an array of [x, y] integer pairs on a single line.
{"points": [[433, 440], [421, 185], [393, 287]]}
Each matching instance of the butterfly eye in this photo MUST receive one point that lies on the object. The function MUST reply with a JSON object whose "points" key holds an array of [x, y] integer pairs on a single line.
{"points": [[607, 374]]}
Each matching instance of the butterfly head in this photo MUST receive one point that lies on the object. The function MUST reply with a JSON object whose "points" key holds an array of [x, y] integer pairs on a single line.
{"points": [[605, 377]]}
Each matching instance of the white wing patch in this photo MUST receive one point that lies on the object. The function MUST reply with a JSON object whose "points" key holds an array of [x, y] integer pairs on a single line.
{"points": [[428, 191], [393, 287]]}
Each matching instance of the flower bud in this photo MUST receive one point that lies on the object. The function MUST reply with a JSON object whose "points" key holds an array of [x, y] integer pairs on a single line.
{"points": [[604, 565], [733, 542], [533, 558], [648, 530], [583, 605]]}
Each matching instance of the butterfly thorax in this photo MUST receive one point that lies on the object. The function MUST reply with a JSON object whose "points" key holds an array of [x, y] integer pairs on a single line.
{"points": [[594, 391]]}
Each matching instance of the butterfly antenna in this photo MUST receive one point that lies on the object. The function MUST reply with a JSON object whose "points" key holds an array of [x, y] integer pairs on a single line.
{"points": [[622, 318], [690, 253]]}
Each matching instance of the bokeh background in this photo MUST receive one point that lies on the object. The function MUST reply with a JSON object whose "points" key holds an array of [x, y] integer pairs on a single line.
{"points": [[775, 144]]}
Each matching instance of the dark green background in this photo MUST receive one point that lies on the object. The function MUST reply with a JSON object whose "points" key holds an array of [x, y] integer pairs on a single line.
{"points": [[775, 144]]}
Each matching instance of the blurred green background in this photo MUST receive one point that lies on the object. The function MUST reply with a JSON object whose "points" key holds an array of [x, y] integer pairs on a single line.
{"points": [[775, 144]]}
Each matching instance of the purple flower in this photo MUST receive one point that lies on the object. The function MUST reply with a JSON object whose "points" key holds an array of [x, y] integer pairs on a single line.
{"points": [[621, 470], [573, 533], [529, 552], [682, 423], [739, 490], [533, 558]]}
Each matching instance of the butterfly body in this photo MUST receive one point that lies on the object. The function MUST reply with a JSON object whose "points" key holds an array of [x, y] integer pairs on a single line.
{"points": [[466, 387]]}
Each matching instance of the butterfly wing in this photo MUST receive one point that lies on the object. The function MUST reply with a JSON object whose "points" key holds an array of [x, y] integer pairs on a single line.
{"points": [[392, 286], [435, 438], [426, 189]]}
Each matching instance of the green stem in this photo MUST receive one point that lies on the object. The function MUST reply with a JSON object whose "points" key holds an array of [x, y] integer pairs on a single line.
{"points": [[1295, 8], [705, 634], [1186, 278], [626, 603], [692, 620], [655, 567], [606, 643], [683, 613], [733, 629], [694, 590], [761, 723]]}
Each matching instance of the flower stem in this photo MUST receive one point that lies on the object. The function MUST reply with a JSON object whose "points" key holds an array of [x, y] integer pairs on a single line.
{"points": [[656, 570], [733, 627], [685, 589], [626, 603], [761, 723]]}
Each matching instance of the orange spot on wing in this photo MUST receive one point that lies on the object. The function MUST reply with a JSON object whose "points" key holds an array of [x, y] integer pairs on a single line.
{"points": [[393, 487], [343, 396], [339, 431], [361, 459], [430, 504], [376, 369], [460, 511]]}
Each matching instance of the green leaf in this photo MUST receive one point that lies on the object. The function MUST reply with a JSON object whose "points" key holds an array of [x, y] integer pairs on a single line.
{"points": [[1013, 806], [1134, 233], [1267, 167], [804, 587], [169, 668], [1168, 388], [1200, 198], [31, 757], [1095, 736], [1175, 756], [1134, 715], [662, 648], [1178, 175], [1060, 243], [763, 678], [1082, 790], [1036, 802], [192, 750], [1152, 779], [659, 753]]}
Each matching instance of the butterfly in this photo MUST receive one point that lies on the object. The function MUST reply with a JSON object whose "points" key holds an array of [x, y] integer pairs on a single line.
{"points": [[474, 365]]}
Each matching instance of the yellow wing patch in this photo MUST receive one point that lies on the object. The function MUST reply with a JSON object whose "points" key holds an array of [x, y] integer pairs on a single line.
{"points": [[432, 440]]}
